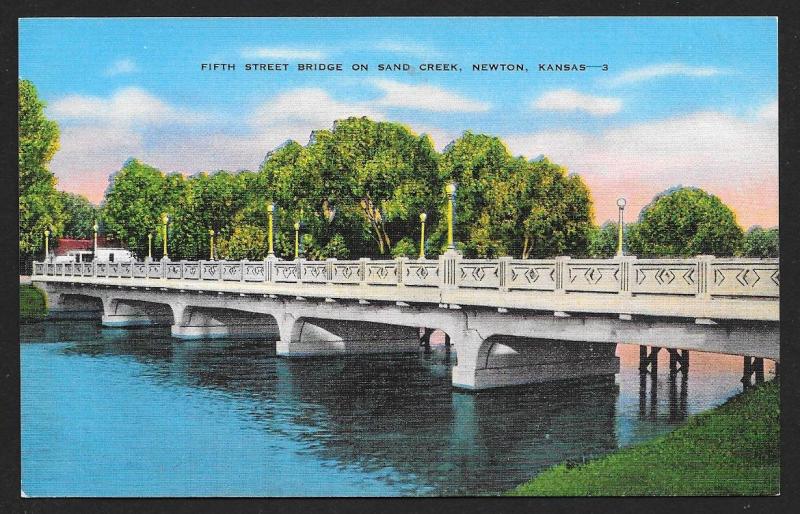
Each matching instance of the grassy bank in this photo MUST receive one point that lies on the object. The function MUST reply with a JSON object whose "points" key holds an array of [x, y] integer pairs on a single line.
{"points": [[32, 306], [733, 449]]}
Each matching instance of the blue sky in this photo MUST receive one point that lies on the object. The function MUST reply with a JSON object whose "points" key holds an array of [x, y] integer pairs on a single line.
{"points": [[685, 100]]}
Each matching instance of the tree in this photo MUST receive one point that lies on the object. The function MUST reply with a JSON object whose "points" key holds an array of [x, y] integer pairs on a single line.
{"points": [[510, 206], [208, 202], [760, 242], [137, 196], [684, 222], [244, 242], [479, 165], [79, 215], [363, 180], [603, 240], [39, 205], [556, 211]]}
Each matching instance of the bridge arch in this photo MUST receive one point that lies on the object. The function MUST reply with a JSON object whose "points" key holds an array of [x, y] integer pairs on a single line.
{"points": [[194, 322]]}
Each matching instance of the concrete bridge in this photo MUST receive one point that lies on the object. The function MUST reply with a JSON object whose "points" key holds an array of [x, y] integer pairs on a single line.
{"points": [[510, 321]]}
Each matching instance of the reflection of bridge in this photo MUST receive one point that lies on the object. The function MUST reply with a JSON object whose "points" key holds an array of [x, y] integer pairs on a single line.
{"points": [[511, 321]]}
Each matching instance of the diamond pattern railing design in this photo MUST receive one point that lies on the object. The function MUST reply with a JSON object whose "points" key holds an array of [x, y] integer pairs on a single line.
{"points": [[703, 276]]}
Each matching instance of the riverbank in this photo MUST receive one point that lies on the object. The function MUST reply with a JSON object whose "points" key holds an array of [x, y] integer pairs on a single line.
{"points": [[733, 449], [32, 305]]}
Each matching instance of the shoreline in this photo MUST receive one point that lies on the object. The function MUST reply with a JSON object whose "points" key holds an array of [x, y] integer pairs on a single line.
{"points": [[732, 449]]}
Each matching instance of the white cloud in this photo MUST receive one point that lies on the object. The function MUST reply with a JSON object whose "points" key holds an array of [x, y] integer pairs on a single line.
{"points": [[662, 70], [121, 67], [89, 154], [441, 137], [286, 53], [769, 111], [733, 157], [294, 114], [126, 106], [569, 100], [425, 98]]}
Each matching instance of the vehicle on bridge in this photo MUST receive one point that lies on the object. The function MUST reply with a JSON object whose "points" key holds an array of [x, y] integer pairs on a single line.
{"points": [[100, 255]]}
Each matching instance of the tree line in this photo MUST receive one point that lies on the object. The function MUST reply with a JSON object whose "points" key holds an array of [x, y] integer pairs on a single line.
{"points": [[357, 190]]}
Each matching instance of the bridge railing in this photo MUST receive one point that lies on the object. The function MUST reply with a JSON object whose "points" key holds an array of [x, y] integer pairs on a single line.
{"points": [[703, 276]]}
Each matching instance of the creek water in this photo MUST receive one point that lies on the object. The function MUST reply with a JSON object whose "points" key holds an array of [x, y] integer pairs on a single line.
{"points": [[135, 412]]}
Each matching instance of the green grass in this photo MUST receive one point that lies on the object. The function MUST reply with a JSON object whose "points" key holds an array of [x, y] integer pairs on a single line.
{"points": [[32, 305], [733, 449]]}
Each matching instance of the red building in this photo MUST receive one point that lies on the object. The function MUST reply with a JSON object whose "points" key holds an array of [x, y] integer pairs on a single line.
{"points": [[65, 244]]}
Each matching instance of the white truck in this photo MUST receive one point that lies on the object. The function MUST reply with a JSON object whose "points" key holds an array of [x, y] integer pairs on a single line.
{"points": [[102, 255]]}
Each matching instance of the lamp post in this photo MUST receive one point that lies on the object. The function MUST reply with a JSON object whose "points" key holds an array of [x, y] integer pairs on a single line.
{"points": [[296, 240], [422, 218], [95, 227], [451, 191], [46, 244], [150, 247], [164, 221], [270, 211], [211, 250], [621, 204]]}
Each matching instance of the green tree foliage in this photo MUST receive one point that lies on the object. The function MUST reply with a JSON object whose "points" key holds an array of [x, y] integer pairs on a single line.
{"points": [[79, 215], [685, 222], [39, 203], [135, 199], [760, 242], [244, 242], [365, 181], [510, 206], [603, 240], [556, 211], [209, 202]]}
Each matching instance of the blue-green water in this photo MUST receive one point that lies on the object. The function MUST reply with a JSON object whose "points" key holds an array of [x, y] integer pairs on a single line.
{"points": [[111, 412]]}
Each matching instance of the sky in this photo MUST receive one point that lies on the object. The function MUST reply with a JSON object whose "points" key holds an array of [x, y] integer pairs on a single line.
{"points": [[684, 101]]}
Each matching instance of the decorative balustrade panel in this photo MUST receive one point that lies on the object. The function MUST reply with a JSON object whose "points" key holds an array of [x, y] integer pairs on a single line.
{"points": [[422, 273], [715, 277], [173, 270], [315, 272], [286, 271], [591, 275], [744, 277], [381, 272], [664, 276], [231, 270], [154, 270], [139, 269], [478, 273], [346, 272], [190, 270], [254, 271], [209, 270], [538, 275]]}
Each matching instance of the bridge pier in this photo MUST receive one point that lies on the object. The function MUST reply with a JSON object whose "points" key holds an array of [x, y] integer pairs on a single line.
{"points": [[311, 337], [133, 313], [425, 339], [500, 361], [753, 368], [207, 322], [648, 362], [65, 305]]}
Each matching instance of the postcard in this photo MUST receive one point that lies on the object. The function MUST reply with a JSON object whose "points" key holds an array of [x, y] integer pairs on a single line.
{"points": [[387, 256]]}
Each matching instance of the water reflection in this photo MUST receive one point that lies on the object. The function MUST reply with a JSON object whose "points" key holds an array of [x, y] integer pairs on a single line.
{"points": [[395, 417]]}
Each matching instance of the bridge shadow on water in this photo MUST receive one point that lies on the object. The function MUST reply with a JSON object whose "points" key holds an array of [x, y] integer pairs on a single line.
{"points": [[398, 412]]}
